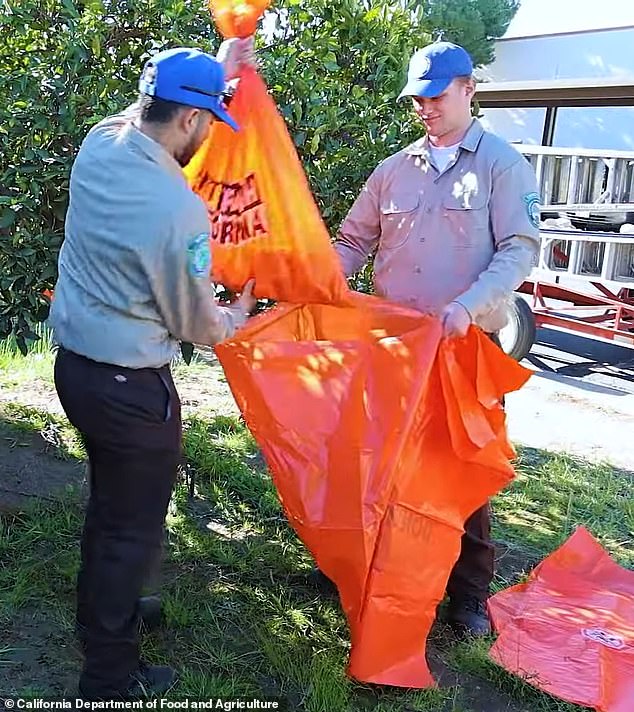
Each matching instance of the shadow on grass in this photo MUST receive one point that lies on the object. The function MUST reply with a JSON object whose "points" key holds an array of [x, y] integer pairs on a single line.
{"points": [[553, 494], [241, 617]]}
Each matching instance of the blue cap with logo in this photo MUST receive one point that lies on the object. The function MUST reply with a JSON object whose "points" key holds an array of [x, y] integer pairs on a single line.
{"points": [[187, 76], [433, 68]]}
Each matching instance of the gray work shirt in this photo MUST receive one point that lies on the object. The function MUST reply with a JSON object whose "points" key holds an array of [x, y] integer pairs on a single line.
{"points": [[135, 263], [467, 234]]}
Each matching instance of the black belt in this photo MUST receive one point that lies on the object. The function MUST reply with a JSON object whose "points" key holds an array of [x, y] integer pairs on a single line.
{"points": [[104, 364]]}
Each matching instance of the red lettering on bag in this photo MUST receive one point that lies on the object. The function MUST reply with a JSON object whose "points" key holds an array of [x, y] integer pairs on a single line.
{"points": [[236, 211]]}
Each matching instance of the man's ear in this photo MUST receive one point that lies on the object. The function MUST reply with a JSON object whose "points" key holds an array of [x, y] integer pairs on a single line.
{"points": [[188, 119]]}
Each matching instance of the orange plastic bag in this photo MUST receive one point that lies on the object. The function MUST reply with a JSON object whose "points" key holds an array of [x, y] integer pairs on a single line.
{"points": [[381, 439], [264, 221], [236, 18], [570, 629]]}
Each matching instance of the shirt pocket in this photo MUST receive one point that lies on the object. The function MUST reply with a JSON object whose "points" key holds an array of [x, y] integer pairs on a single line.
{"points": [[399, 218], [467, 220]]}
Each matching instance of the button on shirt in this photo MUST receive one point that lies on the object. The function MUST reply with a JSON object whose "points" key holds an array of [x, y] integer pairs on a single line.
{"points": [[135, 263], [468, 233]]}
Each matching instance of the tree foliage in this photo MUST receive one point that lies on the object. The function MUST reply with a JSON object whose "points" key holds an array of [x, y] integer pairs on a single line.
{"points": [[334, 69], [474, 24]]}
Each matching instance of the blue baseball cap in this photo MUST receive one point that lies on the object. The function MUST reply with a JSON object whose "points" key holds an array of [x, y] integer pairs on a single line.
{"points": [[433, 68], [187, 76]]}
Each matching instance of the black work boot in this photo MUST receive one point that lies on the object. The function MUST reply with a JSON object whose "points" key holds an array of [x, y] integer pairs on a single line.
{"points": [[468, 616], [151, 680], [148, 680]]}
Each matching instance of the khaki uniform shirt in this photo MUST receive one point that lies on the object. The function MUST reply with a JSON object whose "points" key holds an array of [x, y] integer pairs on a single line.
{"points": [[468, 234], [135, 263]]}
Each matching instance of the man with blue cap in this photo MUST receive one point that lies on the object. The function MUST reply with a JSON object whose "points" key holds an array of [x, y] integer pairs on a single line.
{"points": [[134, 282], [454, 221]]}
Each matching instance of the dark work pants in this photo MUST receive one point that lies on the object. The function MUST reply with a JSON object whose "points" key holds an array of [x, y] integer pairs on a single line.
{"points": [[473, 572], [131, 425]]}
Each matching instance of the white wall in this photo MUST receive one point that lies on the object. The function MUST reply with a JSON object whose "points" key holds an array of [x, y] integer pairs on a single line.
{"points": [[604, 54]]}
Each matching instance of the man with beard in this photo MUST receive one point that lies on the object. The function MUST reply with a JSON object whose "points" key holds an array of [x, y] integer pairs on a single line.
{"points": [[134, 282], [454, 222]]}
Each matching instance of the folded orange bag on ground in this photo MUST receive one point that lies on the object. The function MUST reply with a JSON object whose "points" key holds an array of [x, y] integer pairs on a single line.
{"points": [[569, 630], [381, 439], [264, 221]]}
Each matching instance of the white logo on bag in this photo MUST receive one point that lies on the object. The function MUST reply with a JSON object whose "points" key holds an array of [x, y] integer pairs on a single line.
{"points": [[604, 637]]}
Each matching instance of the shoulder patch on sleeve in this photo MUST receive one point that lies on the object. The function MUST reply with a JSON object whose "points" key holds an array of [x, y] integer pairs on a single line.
{"points": [[199, 256], [532, 203]]}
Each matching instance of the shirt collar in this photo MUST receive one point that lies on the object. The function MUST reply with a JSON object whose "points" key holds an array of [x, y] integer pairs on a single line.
{"points": [[469, 142], [153, 150], [473, 136]]}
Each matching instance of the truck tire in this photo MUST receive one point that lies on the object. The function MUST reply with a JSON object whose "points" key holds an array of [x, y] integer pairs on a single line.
{"points": [[518, 336]]}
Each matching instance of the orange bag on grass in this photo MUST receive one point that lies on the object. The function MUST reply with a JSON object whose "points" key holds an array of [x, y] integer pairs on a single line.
{"points": [[569, 630], [264, 221], [381, 439]]}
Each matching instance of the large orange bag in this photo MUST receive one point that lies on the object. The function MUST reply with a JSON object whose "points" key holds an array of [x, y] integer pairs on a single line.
{"points": [[569, 630], [381, 439], [264, 221]]}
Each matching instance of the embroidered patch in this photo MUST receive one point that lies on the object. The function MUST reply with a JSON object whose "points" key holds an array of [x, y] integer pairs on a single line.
{"points": [[532, 202], [199, 256]]}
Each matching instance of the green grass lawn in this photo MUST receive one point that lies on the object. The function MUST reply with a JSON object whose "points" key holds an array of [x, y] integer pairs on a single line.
{"points": [[241, 618], [17, 370]]}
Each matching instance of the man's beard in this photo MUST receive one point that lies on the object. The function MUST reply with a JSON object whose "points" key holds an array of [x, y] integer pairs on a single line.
{"points": [[188, 152]]}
